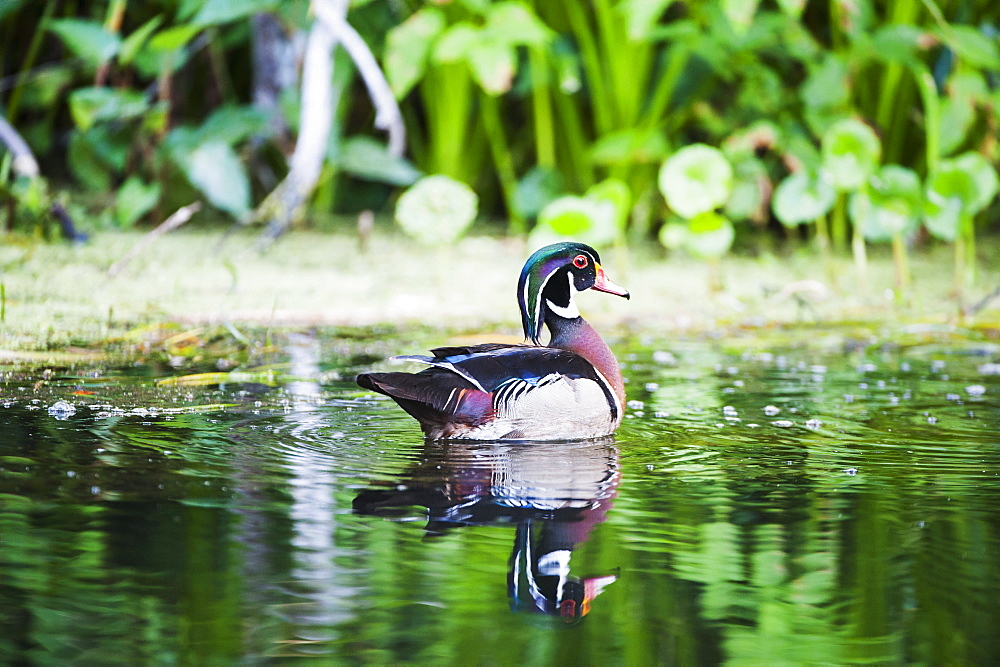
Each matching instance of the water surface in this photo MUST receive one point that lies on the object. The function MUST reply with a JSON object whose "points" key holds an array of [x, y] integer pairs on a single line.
{"points": [[817, 499]]}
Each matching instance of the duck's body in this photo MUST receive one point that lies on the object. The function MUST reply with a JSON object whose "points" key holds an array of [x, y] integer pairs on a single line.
{"points": [[570, 389]]}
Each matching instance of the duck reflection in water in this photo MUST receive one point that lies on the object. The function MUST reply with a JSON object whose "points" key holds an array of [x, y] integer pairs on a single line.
{"points": [[554, 494]]}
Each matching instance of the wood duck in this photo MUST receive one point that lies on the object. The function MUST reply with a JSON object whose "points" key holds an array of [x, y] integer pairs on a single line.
{"points": [[571, 389]]}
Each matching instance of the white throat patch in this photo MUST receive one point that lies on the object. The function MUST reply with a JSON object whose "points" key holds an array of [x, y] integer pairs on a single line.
{"points": [[570, 311]]}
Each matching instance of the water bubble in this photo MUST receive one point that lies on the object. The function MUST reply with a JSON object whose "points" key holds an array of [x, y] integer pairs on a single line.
{"points": [[652, 386], [783, 423], [771, 410], [664, 357], [975, 390], [62, 410], [932, 420], [851, 471], [659, 414], [989, 369], [636, 405], [814, 424], [937, 365], [729, 411]]}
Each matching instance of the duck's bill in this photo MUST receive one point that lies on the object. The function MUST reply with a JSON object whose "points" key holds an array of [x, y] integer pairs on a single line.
{"points": [[604, 284]]}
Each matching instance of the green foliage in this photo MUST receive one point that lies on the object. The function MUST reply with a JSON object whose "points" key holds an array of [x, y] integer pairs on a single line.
{"points": [[851, 152], [890, 204], [598, 218], [803, 197], [695, 180], [436, 209], [525, 101]]}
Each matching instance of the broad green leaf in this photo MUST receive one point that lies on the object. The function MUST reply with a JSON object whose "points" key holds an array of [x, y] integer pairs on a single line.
{"points": [[673, 235], [696, 179], [135, 199], [174, 38], [89, 106], [826, 86], [949, 199], [536, 189], [792, 8], [983, 174], [407, 48], [583, 219], [740, 14], [750, 182], [133, 43], [87, 39], [216, 170], [493, 65], [957, 117], [851, 152], [233, 124], [630, 146], [802, 198], [86, 164], [889, 205], [943, 217], [709, 235], [369, 159], [223, 11], [48, 86], [972, 46], [456, 42], [515, 23], [10, 6], [897, 42], [617, 193], [641, 15], [437, 209]]}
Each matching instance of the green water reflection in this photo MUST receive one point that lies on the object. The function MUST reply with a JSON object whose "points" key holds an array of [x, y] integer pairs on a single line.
{"points": [[802, 503]]}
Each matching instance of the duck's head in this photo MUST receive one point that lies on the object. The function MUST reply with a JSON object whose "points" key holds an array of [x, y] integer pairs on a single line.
{"points": [[551, 278]]}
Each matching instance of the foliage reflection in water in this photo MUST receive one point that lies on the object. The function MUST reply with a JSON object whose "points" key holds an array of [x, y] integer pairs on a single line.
{"points": [[805, 504]]}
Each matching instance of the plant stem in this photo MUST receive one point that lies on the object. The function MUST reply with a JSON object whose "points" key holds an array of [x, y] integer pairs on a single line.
{"points": [[959, 265], [901, 262], [493, 124], [860, 259], [545, 143], [29, 62], [839, 222], [823, 242]]}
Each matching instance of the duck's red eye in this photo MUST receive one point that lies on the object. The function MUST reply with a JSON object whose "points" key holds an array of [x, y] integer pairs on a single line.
{"points": [[580, 261]]}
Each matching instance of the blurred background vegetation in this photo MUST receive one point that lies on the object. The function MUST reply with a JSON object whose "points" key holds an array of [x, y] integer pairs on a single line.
{"points": [[697, 125]]}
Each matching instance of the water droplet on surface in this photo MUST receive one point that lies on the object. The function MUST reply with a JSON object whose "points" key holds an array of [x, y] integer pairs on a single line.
{"points": [[771, 410], [975, 390], [851, 471], [62, 410]]}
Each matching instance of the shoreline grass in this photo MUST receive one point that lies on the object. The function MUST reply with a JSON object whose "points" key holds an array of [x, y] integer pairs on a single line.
{"points": [[58, 297]]}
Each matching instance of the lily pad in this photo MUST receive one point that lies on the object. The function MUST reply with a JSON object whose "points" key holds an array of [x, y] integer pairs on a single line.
{"points": [[696, 179], [584, 219], [803, 197], [437, 209], [710, 235], [851, 152], [889, 205]]}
